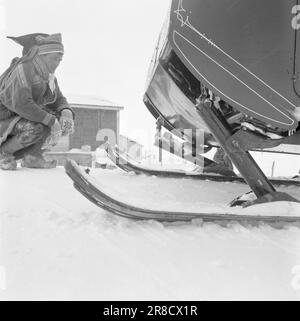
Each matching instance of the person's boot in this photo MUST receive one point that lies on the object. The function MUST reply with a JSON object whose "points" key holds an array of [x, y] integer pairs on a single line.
{"points": [[7, 150], [7, 162], [32, 161]]}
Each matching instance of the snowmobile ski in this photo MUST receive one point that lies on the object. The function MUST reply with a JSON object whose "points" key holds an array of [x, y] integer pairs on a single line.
{"points": [[129, 165], [84, 184]]}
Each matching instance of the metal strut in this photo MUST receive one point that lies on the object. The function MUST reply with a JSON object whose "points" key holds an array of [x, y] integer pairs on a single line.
{"points": [[246, 165]]}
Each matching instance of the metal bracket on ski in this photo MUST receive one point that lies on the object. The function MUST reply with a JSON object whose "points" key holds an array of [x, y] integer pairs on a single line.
{"points": [[241, 158]]}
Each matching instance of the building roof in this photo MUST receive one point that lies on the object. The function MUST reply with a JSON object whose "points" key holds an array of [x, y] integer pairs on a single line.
{"points": [[91, 101]]}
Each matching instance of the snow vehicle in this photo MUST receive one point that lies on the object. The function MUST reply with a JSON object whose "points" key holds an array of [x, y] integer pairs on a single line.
{"points": [[226, 74], [230, 69]]}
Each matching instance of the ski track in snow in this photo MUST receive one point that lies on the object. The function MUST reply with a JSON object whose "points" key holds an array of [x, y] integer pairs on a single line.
{"points": [[55, 244]]}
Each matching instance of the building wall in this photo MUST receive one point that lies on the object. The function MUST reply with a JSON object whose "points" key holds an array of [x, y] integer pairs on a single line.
{"points": [[87, 124], [109, 120]]}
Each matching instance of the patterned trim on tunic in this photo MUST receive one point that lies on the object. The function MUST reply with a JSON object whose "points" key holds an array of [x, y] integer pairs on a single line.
{"points": [[21, 75]]}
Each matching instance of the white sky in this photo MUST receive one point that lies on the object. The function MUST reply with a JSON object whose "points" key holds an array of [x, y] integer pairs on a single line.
{"points": [[108, 48]]}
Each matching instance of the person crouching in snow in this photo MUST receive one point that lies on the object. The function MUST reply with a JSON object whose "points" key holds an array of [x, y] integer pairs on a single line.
{"points": [[32, 107]]}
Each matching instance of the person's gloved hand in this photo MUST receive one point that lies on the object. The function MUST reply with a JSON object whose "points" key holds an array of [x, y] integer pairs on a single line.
{"points": [[55, 134], [56, 128], [67, 123]]}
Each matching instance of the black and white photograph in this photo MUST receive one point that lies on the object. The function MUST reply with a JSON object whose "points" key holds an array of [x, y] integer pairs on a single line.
{"points": [[150, 151]]}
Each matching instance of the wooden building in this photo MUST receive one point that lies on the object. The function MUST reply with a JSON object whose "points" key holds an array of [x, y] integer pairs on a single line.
{"points": [[95, 118]]}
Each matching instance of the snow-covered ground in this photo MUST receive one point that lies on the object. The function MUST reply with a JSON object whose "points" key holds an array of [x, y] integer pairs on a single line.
{"points": [[55, 244]]}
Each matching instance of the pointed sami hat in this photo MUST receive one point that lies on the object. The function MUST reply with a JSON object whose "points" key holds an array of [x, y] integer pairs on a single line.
{"points": [[45, 42]]}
